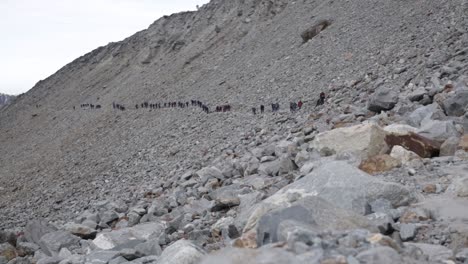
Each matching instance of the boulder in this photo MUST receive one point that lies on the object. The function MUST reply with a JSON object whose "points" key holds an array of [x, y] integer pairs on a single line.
{"points": [[7, 237], [250, 256], [51, 243], [381, 255], [402, 155], [208, 173], [101, 257], [461, 187], [436, 253], [313, 211], [399, 129], [463, 143], [108, 217], [149, 248], [341, 185], [181, 252], [8, 251], [424, 147], [285, 147], [422, 114], [449, 147], [36, 229], [383, 99], [462, 255], [408, 231], [438, 130], [366, 139], [455, 105], [417, 95], [379, 163], [143, 260], [270, 168], [142, 232], [26, 248], [81, 230]]}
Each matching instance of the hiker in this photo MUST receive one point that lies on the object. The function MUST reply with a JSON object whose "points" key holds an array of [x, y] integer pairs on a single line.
{"points": [[262, 109], [254, 110], [321, 99], [299, 104], [292, 107]]}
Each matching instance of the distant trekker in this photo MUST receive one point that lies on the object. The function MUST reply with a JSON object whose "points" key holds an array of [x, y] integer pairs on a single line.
{"points": [[254, 110], [262, 109], [299, 104], [321, 99]]}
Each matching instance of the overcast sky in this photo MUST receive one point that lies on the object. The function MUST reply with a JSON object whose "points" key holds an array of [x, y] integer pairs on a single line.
{"points": [[38, 37]]}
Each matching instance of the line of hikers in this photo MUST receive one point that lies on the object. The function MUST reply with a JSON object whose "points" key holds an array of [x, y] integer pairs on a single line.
{"points": [[118, 106], [293, 106], [92, 106]]}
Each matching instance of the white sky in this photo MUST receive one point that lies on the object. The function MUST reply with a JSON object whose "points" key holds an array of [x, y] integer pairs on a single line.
{"points": [[41, 36]]}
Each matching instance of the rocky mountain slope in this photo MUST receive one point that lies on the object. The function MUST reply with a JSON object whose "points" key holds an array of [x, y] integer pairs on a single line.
{"points": [[5, 99], [167, 185]]}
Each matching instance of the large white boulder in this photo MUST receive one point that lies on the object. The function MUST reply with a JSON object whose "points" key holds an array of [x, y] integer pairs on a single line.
{"points": [[367, 139]]}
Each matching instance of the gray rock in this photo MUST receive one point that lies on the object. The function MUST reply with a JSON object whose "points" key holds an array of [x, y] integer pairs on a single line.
{"points": [[248, 256], [50, 260], [26, 248], [208, 173], [456, 104], [312, 211], [21, 260], [146, 260], [108, 217], [284, 147], [286, 165], [383, 222], [225, 198], [80, 230], [462, 255], [461, 187], [436, 253], [381, 255], [181, 252], [8, 251], [133, 219], [383, 100], [438, 130], [149, 248], [408, 232], [381, 206], [51, 243], [3, 260], [143, 232], [417, 95], [118, 260], [248, 204], [428, 112], [7, 237], [36, 229], [270, 168], [225, 228], [101, 257], [449, 147]]}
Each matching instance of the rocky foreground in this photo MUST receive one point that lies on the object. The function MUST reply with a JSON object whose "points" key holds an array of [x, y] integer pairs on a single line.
{"points": [[378, 174], [389, 187]]}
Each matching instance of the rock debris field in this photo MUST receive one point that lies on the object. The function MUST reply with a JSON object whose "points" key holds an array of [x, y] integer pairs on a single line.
{"points": [[376, 174]]}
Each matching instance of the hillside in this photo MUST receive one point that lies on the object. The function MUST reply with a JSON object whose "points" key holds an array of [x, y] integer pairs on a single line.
{"points": [[61, 160], [5, 99]]}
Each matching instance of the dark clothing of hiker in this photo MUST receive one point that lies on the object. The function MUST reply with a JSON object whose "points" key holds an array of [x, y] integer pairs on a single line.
{"points": [[321, 100], [262, 108]]}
